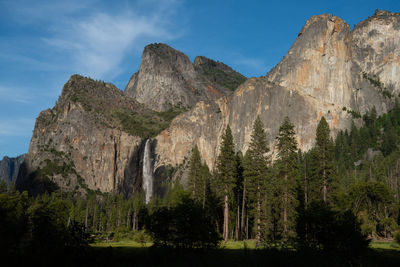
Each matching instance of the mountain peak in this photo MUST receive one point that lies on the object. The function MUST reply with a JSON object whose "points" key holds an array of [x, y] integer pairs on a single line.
{"points": [[168, 78]]}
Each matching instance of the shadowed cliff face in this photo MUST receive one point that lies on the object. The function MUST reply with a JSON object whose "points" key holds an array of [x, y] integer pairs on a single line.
{"points": [[9, 168], [328, 71], [167, 78]]}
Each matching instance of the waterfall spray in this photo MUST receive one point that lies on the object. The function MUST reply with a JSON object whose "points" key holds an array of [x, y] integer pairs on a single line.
{"points": [[147, 172]]}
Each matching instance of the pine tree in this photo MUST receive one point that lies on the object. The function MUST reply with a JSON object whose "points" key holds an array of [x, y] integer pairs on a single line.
{"points": [[194, 174], [321, 182], [239, 195], [287, 164], [204, 184], [225, 172], [255, 170]]}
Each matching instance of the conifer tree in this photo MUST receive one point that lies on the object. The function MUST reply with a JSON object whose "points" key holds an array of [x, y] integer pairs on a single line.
{"points": [[287, 165], [239, 195], [194, 173], [204, 184], [226, 173], [255, 170], [321, 183]]}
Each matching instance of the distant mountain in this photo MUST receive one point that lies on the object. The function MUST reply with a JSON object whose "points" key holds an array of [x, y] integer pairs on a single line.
{"points": [[9, 168]]}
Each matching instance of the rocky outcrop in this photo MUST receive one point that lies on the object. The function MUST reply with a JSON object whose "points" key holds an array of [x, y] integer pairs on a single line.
{"points": [[329, 71], [167, 78], [9, 168]]}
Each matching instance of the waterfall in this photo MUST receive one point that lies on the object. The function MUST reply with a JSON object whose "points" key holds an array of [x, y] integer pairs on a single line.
{"points": [[147, 172]]}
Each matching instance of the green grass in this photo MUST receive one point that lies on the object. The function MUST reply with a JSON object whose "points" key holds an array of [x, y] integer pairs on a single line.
{"points": [[231, 245], [129, 243], [385, 245], [232, 253]]}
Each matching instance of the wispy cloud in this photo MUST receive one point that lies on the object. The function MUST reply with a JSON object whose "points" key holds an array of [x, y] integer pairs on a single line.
{"points": [[97, 45], [16, 126], [91, 38], [10, 94]]}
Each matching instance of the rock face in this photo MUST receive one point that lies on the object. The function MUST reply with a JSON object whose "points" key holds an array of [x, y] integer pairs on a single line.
{"points": [[81, 143], [9, 168], [168, 78], [329, 71], [96, 135]]}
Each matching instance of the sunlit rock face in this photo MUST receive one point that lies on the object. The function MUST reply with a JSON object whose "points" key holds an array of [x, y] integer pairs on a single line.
{"points": [[168, 78], [327, 72], [79, 145]]}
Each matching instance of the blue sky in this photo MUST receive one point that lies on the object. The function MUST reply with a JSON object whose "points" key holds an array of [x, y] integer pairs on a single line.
{"points": [[42, 43]]}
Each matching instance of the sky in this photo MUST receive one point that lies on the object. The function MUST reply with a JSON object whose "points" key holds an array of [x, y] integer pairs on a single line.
{"points": [[42, 43]]}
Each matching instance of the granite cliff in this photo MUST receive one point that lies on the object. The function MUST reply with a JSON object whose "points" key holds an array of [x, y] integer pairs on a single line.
{"points": [[330, 71], [168, 78], [96, 133]]}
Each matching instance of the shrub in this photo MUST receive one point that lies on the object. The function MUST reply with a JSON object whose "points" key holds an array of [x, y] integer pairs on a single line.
{"points": [[142, 237], [321, 227], [184, 225]]}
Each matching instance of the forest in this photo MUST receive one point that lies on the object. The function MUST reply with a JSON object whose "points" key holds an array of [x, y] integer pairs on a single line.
{"points": [[337, 197]]}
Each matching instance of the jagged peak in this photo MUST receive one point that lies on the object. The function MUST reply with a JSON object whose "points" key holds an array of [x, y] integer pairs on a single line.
{"points": [[199, 60], [205, 61], [380, 15], [323, 19], [163, 51], [384, 13]]}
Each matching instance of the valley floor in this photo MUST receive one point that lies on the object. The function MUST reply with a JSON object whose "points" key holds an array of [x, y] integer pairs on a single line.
{"points": [[233, 253]]}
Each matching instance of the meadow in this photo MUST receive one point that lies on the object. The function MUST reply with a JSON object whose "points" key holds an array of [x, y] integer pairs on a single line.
{"points": [[238, 253]]}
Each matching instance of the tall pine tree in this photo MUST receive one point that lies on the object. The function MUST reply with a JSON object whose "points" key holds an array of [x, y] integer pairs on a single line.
{"points": [[287, 165], [194, 179], [321, 182], [226, 173], [255, 170]]}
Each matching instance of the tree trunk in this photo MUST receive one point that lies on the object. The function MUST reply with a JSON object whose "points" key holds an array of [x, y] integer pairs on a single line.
{"points": [[100, 221], [226, 214], [204, 195], [285, 205], [128, 223], [135, 221], [258, 237], [247, 227], [305, 185], [324, 177], [243, 211], [86, 216], [94, 215], [237, 235]]}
